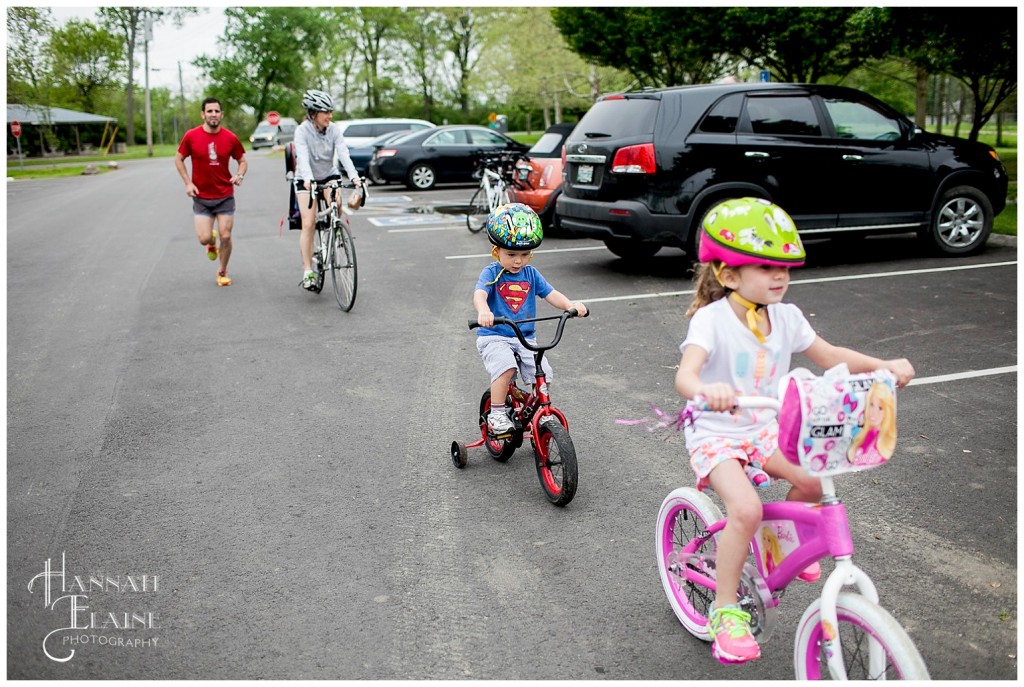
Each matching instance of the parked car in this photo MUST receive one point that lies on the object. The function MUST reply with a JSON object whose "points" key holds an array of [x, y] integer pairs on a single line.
{"points": [[361, 155], [266, 134], [539, 180], [446, 154], [643, 168], [360, 132]]}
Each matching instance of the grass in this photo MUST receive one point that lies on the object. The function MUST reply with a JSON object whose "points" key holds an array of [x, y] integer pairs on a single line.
{"points": [[51, 172]]}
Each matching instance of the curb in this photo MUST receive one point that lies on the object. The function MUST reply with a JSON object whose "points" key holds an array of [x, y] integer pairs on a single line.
{"points": [[1002, 240]]}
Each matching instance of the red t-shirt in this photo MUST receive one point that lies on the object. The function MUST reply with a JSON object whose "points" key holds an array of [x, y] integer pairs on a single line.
{"points": [[210, 153]]}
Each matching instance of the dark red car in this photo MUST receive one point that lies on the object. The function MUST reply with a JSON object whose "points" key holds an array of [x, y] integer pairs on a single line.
{"points": [[539, 181]]}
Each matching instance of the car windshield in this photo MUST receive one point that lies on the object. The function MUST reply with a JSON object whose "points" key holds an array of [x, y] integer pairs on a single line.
{"points": [[265, 129], [547, 145]]}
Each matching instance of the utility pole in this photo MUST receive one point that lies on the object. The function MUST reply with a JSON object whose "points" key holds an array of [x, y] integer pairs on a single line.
{"points": [[181, 87], [149, 113]]}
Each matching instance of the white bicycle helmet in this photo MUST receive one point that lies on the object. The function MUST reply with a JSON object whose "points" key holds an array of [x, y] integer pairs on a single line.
{"points": [[317, 101]]}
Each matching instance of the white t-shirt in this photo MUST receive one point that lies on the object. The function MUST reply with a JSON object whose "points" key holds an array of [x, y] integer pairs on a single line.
{"points": [[736, 357]]}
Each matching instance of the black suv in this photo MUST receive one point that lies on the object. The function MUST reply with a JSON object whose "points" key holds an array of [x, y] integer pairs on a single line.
{"points": [[642, 168]]}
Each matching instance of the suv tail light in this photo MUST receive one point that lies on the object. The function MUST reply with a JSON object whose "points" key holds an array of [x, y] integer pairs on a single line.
{"points": [[637, 159]]}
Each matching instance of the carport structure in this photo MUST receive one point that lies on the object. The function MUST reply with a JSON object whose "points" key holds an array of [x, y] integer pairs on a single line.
{"points": [[40, 116]]}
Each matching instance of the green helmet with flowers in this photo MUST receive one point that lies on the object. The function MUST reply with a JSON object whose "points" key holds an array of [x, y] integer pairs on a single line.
{"points": [[514, 226], [750, 231]]}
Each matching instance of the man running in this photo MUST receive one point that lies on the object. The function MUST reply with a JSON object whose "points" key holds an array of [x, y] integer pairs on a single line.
{"points": [[212, 187]]}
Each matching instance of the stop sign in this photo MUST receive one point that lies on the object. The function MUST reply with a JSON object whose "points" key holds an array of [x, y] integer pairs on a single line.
{"points": [[273, 119], [16, 128]]}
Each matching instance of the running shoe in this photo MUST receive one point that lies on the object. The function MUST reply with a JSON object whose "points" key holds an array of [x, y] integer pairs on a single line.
{"points": [[223, 279], [733, 642], [211, 250]]}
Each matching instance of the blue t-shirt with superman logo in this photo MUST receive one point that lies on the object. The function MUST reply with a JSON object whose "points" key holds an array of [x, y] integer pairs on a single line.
{"points": [[512, 296]]}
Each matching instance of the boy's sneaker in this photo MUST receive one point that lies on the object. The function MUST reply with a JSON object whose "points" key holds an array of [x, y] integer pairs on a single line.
{"points": [[730, 628], [812, 573], [758, 477], [499, 423]]}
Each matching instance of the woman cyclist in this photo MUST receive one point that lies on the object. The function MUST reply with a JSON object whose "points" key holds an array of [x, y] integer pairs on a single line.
{"points": [[319, 146]]}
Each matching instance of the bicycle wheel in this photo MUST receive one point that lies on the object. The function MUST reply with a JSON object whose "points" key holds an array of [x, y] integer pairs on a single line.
{"points": [[476, 213], [500, 449], [556, 462], [684, 516], [861, 624], [319, 258], [343, 266]]}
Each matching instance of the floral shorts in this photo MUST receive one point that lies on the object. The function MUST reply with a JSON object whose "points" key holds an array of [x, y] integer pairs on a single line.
{"points": [[708, 454]]}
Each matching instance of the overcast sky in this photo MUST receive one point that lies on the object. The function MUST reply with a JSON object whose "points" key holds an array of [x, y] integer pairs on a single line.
{"points": [[198, 36]]}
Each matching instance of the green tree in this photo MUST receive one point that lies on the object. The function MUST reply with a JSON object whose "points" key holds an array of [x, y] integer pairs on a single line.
{"points": [[658, 46], [263, 60], [797, 44], [977, 45], [333, 66], [85, 59], [129, 22], [421, 48], [463, 30], [375, 27], [27, 31]]}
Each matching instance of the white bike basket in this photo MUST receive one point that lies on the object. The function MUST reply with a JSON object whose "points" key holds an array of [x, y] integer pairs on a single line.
{"points": [[839, 422]]}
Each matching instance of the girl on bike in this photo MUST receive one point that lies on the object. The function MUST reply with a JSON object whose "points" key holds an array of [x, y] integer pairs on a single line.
{"points": [[319, 147], [739, 342], [508, 288]]}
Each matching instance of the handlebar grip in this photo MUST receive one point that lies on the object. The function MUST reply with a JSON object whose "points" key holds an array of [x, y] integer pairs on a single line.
{"points": [[473, 324]]}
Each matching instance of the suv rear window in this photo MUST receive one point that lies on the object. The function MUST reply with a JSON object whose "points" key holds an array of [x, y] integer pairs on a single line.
{"points": [[619, 118]]}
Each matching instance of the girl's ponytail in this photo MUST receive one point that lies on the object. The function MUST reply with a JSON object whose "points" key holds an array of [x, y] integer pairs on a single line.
{"points": [[708, 289]]}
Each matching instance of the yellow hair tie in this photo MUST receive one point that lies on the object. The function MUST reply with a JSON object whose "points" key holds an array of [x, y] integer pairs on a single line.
{"points": [[753, 315]]}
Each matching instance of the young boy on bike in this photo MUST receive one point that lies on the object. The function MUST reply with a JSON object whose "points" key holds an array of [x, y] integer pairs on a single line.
{"points": [[508, 288]]}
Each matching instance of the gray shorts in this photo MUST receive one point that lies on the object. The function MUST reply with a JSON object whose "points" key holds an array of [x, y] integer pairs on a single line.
{"points": [[502, 353], [211, 207]]}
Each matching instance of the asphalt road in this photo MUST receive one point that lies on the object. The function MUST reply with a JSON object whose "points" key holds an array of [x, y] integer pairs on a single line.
{"points": [[261, 482]]}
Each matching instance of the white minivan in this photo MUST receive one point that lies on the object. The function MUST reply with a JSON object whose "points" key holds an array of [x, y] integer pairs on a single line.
{"points": [[359, 132]]}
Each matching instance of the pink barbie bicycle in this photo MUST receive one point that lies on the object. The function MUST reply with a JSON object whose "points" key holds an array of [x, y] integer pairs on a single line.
{"points": [[843, 634]]}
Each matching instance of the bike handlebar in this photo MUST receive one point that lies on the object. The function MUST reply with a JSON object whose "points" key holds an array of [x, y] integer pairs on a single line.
{"points": [[339, 184], [741, 402], [562, 319]]}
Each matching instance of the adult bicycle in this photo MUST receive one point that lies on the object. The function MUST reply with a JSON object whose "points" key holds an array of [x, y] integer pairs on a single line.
{"points": [[842, 634], [496, 176], [333, 247]]}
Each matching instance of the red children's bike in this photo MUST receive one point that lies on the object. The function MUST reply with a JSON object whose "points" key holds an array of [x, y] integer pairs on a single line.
{"points": [[534, 418]]}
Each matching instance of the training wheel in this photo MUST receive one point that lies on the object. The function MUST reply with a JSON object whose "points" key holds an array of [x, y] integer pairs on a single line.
{"points": [[459, 454]]}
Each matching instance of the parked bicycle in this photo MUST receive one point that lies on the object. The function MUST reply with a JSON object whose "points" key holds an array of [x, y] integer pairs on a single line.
{"points": [[497, 175], [333, 247], [534, 418], [842, 634]]}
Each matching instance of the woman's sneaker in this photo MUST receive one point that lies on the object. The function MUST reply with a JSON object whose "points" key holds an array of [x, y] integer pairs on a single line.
{"points": [[730, 628]]}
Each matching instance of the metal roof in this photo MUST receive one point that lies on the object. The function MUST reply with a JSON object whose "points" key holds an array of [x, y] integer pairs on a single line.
{"points": [[37, 114]]}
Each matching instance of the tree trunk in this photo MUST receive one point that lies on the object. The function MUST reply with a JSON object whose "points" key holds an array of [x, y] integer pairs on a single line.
{"points": [[940, 105], [961, 105], [921, 99]]}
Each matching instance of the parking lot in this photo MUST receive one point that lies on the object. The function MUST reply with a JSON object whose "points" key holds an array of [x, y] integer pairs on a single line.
{"points": [[283, 466]]}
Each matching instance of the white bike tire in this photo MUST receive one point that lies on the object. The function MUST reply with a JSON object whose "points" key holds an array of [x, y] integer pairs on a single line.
{"points": [[903, 659]]}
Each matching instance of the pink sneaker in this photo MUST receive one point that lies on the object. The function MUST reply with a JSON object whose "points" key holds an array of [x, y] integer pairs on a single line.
{"points": [[812, 573], [733, 642]]}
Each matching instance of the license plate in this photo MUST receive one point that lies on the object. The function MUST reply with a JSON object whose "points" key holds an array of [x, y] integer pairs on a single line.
{"points": [[585, 174]]}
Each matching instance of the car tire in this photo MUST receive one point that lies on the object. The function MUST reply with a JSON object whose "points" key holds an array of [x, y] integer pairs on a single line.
{"points": [[632, 250], [961, 222], [421, 177]]}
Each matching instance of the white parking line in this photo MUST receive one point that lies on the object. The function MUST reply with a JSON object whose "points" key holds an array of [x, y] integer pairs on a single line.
{"points": [[963, 375], [850, 277]]}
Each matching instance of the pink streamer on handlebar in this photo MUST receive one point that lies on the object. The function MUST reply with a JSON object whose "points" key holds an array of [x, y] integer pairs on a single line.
{"points": [[662, 420]]}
